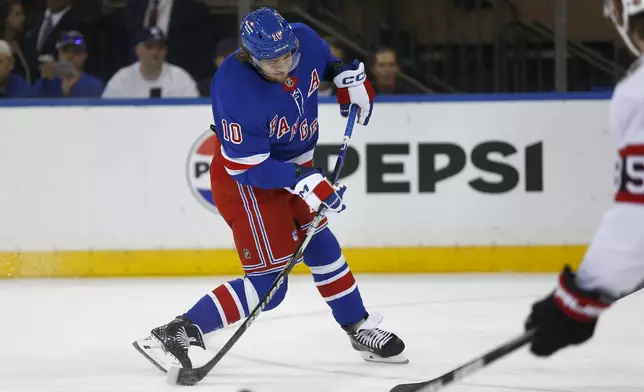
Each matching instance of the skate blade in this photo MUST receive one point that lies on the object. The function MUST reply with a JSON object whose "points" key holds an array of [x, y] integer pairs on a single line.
{"points": [[399, 359], [152, 350]]}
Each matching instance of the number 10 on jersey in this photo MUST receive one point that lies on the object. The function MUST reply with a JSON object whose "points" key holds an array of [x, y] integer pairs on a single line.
{"points": [[232, 132]]}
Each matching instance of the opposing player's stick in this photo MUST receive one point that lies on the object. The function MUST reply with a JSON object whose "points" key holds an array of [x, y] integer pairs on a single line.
{"points": [[185, 376], [467, 369]]}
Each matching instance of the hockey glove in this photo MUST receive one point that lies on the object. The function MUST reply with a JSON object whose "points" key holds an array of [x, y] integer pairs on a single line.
{"points": [[315, 189], [567, 316], [354, 87]]}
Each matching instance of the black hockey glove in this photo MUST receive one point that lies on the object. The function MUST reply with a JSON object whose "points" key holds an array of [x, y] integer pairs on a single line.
{"points": [[567, 316]]}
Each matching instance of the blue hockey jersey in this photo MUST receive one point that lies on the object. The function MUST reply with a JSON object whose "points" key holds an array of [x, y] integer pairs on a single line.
{"points": [[261, 122]]}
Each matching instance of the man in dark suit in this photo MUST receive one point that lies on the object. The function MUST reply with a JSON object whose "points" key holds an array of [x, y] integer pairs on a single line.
{"points": [[187, 26], [44, 30]]}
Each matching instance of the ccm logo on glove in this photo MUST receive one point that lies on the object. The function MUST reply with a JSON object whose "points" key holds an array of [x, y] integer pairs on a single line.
{"points": [[354, 89], [354, 78]]}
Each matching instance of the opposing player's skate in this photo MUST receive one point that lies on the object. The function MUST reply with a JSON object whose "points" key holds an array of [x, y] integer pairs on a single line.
{"points": [[374, 344], [168, 344]]}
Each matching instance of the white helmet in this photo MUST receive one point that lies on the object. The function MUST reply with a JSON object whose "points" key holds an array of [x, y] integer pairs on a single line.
{"points": [[619, 11]]}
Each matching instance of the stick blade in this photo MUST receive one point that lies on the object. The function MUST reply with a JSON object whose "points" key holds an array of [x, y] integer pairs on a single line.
{"points": [[417, 387], [187, 376], [173, 375]]}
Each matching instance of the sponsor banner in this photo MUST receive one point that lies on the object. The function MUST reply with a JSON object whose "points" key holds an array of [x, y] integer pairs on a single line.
{"points": [[420, 175]]}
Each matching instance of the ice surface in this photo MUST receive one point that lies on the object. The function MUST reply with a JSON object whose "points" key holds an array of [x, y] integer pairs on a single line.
{"points": [[66, 335]]}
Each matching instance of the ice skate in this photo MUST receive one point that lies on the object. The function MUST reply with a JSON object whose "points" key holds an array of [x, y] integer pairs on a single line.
{"points": [[168, 344], [374, 344]]}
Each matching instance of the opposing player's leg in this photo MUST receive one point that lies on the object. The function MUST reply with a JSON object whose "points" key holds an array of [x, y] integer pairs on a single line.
{"points": [[265, 237], [337, 286]]}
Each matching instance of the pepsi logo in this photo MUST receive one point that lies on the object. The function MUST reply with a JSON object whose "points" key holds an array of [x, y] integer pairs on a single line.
{"points": [[198, 170]]}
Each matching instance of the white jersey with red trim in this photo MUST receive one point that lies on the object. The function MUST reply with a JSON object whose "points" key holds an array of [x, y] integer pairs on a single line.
{"points": [[614, 262]]}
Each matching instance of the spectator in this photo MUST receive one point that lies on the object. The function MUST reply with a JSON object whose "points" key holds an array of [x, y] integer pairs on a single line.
{"points": [[385, 73], [151, 76], [66, 77], [12, 25], [327, 87], [187, 26], [11, 85], [224, 47], [44, 30]]}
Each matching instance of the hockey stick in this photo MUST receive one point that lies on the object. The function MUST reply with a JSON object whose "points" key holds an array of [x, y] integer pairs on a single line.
{"points": [[467, 369], [187, 376]]}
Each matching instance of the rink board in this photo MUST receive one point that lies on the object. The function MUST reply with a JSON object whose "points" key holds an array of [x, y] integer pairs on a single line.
{"points": [[226, 262], [122, 190]]}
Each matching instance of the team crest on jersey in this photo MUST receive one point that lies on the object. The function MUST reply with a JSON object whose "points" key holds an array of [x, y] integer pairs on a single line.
{"points": [[315, 82], [198, 170], [277, 36], [282, 127]]}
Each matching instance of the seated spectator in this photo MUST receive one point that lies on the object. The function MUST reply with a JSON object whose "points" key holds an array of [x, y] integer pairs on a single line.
{"points": [[327, 87], [151, 76], [224, 47], [187, 26], [385, 74], [66, 77], [11, 85], [12, 25]]}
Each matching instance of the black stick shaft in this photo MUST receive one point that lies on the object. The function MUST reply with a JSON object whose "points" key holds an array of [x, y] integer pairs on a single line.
{"points": [[467, 369]]}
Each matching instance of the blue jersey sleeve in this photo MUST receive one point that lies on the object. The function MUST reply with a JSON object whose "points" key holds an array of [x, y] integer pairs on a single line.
{"points": [[243, 134]]}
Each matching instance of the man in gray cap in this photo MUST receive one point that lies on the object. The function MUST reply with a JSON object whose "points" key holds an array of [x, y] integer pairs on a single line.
{"points": [[65, 77]]}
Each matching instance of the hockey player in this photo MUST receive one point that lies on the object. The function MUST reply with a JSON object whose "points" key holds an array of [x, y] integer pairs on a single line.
{"points": [[613, 266], [265, 107]]}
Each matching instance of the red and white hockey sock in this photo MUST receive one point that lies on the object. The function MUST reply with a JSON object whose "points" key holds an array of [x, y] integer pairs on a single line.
{"points": [[225, 305], [338, 287]]}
